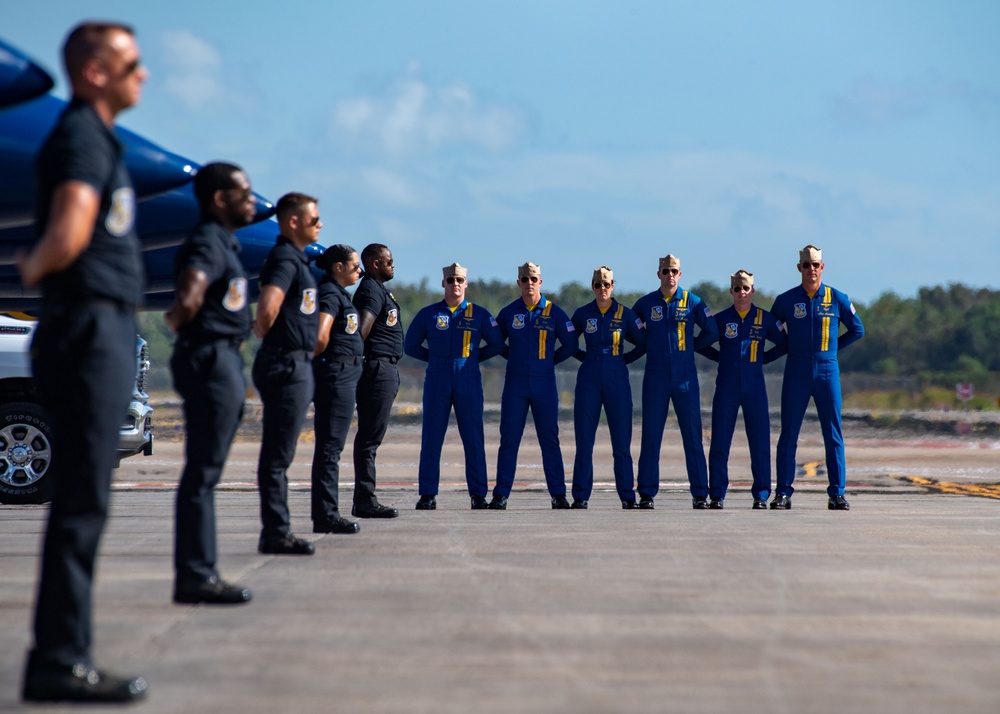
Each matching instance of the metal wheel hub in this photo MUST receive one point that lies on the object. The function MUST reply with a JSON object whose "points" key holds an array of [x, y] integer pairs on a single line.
{"points": [[21, 454]]}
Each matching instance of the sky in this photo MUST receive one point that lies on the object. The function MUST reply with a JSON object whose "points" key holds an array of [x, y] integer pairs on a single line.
{"points": [[580, 133]]}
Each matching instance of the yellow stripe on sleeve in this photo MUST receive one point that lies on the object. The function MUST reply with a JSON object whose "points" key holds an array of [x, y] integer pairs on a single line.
{"points": [[542, 334], [758, 319], [616, 342], [753, 350], [681, 336], [824, 340], [466, 342]]}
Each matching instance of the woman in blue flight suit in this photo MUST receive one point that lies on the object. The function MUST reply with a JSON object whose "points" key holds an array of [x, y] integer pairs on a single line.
{"points": [[743, 327], [603, 380]]}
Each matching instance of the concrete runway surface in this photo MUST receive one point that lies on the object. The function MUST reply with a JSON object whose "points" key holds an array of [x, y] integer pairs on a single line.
{"points": [[891, 607]]}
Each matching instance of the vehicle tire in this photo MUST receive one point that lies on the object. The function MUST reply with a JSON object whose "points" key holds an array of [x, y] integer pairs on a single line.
{"points": [[25, 454]]}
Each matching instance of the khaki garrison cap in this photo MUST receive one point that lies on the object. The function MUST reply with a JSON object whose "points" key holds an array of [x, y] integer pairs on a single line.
{"points": [[529, 268], [670, 261], [741, 277], [810, 254], [604, 274]]}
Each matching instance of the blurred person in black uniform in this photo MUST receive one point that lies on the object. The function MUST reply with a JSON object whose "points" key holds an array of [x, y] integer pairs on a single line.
{"points": [[211, 316], [336, 370], [287, 323], [382, 330], [87, 262]]}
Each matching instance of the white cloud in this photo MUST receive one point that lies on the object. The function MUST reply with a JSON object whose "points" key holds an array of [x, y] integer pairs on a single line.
{"points": [[389, 187], [876, 102], [411, 116], [193, 70]]}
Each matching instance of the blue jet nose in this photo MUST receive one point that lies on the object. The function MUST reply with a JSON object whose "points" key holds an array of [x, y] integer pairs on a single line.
{"points": [[153, 169], [20, 78]]}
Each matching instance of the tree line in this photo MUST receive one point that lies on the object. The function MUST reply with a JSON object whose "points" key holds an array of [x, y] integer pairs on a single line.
{"points": [[943, 335]]}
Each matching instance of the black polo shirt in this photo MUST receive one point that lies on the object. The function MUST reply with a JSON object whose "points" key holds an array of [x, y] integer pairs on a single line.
{"points": [[213, 249], [297, 324], [345, 335], [83, 148], [386, 336]]}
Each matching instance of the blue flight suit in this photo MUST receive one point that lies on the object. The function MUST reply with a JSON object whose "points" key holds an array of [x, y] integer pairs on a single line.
{"points": [[530, 381], [740, 384], [282, 373], [453, 337], [812, 324], [671, 375], [603, 380]]}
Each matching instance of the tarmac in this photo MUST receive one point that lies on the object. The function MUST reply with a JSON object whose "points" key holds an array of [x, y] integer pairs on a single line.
{"points": [[893, 606]]}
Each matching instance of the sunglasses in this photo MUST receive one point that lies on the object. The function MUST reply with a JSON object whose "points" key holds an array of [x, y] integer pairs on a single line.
{"points": [[242, 194], [529, 279], [742, 288], [811, 265], [388, 263], [670, 271], [312, 222], [454, 280], [132, 67], [603, 286]]}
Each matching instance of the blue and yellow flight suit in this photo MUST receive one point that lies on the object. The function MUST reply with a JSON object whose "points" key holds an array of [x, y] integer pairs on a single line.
{"points": [[671, 375], [603, 380], [530, 381], [812, 323], [740, 384], [453, 337]]}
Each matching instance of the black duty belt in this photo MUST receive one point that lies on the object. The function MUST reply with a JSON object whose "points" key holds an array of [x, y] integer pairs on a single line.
{"points": [[383, 358], [185, 343], [346, 359], [294, 354]]}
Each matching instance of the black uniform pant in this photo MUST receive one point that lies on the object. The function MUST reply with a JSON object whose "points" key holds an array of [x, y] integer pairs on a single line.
{"points": [[84, 363], [336, 390], [209, 377], [285, 383], [377, 390]]}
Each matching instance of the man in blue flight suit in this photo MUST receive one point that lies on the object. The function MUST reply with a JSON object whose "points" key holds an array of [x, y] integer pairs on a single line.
{"points": [[453, 331], [670, 315], [531, 327], [287, 323], [211, 316], [743, 327], [811, 314], [336, 369], [382, 330], [605, 325], [87, 262]]}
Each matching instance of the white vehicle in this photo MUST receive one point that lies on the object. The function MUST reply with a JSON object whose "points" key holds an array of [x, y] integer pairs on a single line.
{"points": [[25, 436]]}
